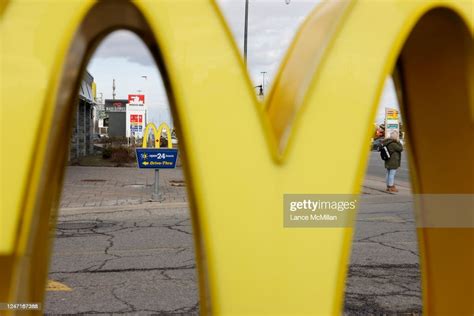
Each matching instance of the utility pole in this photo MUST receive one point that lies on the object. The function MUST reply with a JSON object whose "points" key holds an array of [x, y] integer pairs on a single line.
{"points": [[263, 82], [260, 90], [113, 89], [246, 26], [145, 89]]}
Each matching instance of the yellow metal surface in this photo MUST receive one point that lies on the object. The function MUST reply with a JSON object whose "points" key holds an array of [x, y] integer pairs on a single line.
{"points": [[248, 263]]}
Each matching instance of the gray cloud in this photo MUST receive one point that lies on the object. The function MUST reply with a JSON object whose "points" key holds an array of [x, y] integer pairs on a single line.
{"points": [[272, 26], [125, 44]]}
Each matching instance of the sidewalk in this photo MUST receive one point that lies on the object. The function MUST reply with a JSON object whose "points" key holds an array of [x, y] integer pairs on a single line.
{"points": [[376, 185], [91, 187], [112, 186]]}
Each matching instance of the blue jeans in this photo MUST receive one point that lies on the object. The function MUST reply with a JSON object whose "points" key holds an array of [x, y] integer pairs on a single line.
{"points": [[390, 179]]}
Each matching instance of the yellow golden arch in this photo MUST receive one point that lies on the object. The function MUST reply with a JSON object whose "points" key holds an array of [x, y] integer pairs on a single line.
{"points": [[332, 76], [157, 134]]}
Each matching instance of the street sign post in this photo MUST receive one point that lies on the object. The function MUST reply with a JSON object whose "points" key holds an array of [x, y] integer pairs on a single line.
{"points": [[157, 158], [392, 123]]}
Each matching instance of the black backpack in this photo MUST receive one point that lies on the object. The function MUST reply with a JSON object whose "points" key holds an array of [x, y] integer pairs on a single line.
{"points": [[384, 153]]}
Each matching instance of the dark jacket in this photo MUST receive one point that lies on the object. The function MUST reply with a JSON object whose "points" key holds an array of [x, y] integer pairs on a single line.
{"points": [[395, 148]]}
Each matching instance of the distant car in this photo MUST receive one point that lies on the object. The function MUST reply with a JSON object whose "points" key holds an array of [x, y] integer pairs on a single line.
{"points": [[164, 139]]}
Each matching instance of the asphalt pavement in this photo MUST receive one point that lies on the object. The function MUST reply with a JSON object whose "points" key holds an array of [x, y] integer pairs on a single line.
{"points": [[131, 260], [118, 254], [384, 273]]}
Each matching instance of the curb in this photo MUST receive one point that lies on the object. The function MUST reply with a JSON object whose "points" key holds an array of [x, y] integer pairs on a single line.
{"points": [[142, 206]]}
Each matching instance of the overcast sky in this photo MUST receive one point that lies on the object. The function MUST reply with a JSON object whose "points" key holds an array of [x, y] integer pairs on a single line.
{"points": [[272, 25]]}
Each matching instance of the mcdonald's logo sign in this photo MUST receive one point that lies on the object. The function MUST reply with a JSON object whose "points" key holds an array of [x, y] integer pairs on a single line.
{"points": [[334, 71], [157, 158]]}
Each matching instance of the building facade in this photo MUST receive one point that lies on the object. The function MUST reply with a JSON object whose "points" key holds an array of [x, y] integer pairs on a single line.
{"points": [[81, 139]]}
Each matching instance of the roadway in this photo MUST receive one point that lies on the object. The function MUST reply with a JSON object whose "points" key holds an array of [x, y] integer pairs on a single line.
{"points": [[114, 253]]}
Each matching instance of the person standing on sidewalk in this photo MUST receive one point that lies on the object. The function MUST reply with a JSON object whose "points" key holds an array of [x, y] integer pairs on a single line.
{"points": [[395, 149]]}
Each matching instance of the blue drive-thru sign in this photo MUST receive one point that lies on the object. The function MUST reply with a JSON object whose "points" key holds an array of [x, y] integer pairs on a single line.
{"points": [[157, 158]]}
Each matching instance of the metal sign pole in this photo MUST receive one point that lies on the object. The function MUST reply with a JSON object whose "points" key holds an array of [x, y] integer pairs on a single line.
{"points": [[157, 157], [156, 189]]}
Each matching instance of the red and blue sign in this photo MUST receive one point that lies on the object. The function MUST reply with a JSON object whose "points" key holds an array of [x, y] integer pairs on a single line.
{"points": [[157, 158]]}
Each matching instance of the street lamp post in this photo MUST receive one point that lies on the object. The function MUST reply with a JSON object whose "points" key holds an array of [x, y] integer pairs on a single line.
{"points": [[263, 81], [246, 26], [144, 93], [260, 90]]}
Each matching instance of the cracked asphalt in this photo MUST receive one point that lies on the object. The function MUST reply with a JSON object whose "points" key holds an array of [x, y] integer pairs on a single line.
{"points": [[139, 259], [384, 274]]}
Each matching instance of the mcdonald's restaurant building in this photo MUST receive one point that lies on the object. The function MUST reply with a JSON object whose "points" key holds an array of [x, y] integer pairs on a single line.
{"points": [[81, 138]]}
